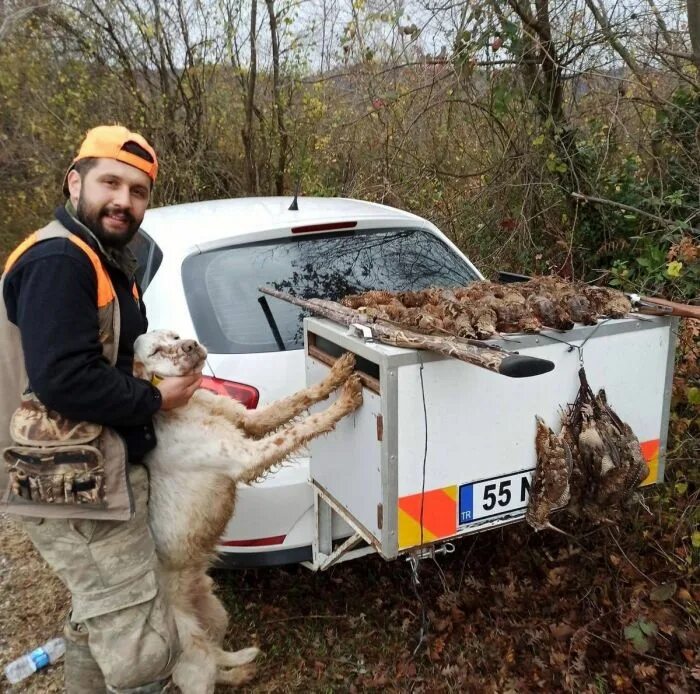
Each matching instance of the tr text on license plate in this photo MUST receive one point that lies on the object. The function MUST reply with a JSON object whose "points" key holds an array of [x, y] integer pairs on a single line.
{"points": [[494, 497]]}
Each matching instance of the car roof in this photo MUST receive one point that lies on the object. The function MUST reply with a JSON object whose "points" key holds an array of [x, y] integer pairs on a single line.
{"points": [[179, 228]]}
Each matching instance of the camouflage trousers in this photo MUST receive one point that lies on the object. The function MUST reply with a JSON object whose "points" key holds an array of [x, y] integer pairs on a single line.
{"points": [[110, 569]]}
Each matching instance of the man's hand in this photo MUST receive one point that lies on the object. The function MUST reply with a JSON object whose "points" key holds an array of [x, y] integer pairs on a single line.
{"points": [[176, 391]]}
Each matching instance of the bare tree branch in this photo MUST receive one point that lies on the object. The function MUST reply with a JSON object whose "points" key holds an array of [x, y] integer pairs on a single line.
{"points": [[629, 208], [694, 30]]}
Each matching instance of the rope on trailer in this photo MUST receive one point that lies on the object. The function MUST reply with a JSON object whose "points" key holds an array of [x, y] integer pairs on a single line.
{"points": [[425, 448], [415, 559]]}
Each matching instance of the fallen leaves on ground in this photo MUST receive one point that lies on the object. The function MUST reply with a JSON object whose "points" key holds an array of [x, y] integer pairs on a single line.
{"points": [[33, 605], [510, 611]]}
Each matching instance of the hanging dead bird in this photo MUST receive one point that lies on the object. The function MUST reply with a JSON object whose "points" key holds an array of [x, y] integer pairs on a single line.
{"points": [[550, 483], [578, 479], [595, 449], [611, 459], [617, 485]]}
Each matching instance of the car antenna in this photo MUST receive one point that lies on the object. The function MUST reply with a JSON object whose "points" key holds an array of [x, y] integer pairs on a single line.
{"points": [[294, 207]]}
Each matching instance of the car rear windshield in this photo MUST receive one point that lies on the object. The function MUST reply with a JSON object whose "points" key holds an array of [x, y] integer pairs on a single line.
{"points": [[222, 285]]}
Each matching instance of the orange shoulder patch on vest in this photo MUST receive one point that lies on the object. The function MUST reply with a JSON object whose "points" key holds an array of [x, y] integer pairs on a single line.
{"points": [[24, 246], [105, 290]]}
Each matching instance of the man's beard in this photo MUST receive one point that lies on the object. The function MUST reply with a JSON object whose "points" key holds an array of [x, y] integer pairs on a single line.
{"points": [[92, 219]]}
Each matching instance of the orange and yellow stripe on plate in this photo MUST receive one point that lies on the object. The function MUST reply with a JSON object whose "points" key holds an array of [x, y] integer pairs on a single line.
{"points": [[439, 516], [650, 451]]}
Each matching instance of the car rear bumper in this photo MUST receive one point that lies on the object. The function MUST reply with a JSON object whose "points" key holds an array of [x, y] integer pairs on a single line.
{"points": [[273, 521], [248, 560]]}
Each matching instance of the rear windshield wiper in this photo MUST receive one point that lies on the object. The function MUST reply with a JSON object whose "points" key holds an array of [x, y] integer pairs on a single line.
{"points": [[272, 323]]}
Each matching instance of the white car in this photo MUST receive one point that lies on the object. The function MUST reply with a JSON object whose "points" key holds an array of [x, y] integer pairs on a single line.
{"points": [[201, 265]]}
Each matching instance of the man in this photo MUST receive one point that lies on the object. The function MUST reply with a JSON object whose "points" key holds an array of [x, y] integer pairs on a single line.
{"points": [[70, 292]]}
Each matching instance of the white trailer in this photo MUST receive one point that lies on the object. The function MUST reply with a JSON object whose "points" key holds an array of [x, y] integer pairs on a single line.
{"points": [[441, 449]]}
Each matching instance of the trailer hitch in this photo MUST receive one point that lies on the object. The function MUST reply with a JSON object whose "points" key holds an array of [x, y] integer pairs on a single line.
{"points": [[429, 552]]}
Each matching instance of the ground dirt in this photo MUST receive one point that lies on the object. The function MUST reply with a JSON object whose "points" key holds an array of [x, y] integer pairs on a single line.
{"points": [[509, 611]]}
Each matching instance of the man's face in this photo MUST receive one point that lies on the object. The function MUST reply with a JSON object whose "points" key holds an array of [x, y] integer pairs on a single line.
{"points": [[110, 200]]}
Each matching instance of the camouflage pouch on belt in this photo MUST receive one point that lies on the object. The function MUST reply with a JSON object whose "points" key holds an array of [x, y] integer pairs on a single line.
{"points": [[54, 460]]}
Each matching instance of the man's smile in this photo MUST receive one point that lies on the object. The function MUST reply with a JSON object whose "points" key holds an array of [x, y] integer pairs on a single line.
{"points": [[117, 220]]}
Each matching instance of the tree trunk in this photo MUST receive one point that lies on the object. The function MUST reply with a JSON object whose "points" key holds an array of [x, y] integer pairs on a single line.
{"points": [[248, 134], [282, 137], [614, 40], [694, 30], [553, 92]]}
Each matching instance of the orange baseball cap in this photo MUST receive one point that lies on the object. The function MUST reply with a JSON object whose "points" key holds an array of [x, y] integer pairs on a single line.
{"points": [[112, 142]]}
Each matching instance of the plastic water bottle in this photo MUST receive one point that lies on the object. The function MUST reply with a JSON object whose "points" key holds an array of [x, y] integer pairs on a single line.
{"points": [[37, 659]]}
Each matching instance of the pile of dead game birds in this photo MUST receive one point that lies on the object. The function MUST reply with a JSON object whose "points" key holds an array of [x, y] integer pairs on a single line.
{"points": [[594, 464], [484, 309]]}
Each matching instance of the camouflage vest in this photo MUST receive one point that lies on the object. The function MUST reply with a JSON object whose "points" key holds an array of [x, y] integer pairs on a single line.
{"points": [[54, 467]]}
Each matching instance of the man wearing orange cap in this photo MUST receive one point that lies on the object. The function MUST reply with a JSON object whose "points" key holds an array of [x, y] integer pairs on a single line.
{"points": [[81, 423]]}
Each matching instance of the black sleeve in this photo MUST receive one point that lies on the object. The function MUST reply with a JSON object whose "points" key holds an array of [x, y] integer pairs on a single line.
{"points": [[142, 307], [52, 298]]}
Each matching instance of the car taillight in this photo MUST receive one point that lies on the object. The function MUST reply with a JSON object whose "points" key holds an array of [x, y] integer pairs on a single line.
{"points": [[242, 392]]}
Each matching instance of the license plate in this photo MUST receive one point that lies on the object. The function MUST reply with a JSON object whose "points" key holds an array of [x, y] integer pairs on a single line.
{"points": [[493, 497]]}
